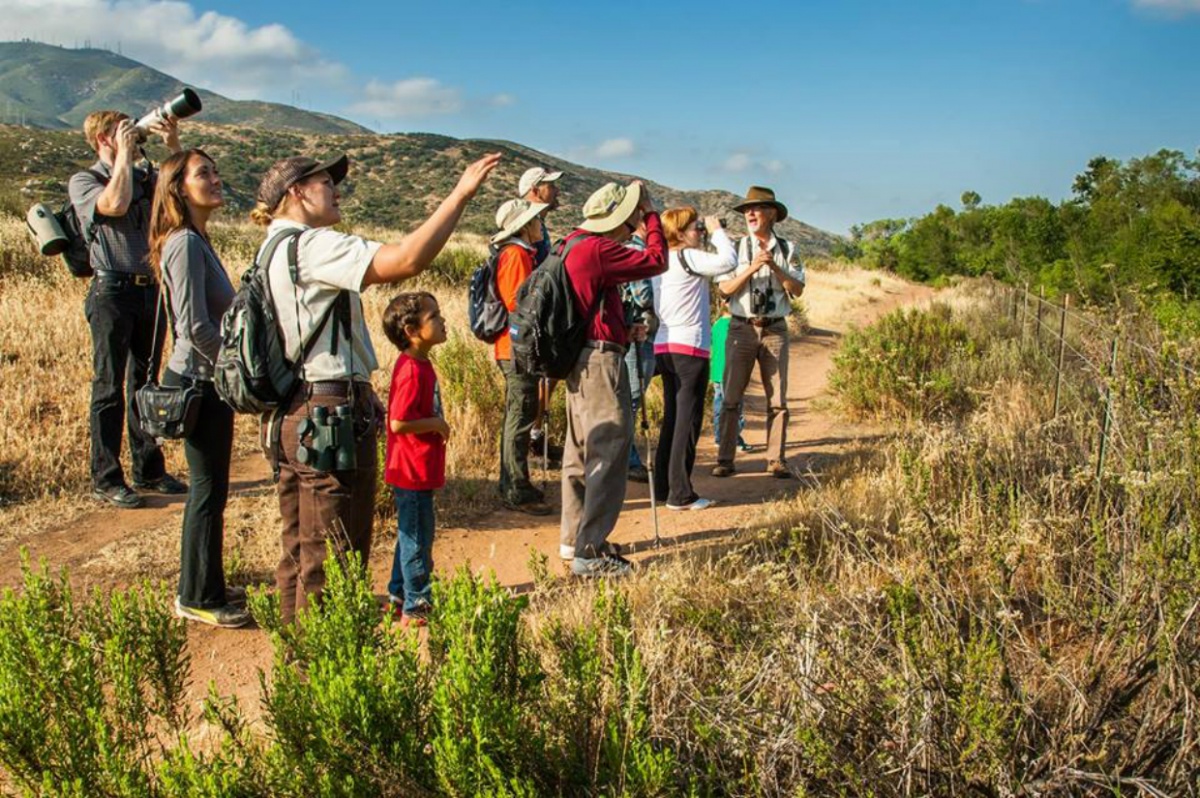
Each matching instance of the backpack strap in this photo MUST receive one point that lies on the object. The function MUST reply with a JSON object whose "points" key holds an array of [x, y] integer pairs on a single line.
{"points": [[683, 262], [339, 310], [565, 247]]}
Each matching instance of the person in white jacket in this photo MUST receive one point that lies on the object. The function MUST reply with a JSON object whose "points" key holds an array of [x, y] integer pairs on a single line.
{"points": [[681, 347]]}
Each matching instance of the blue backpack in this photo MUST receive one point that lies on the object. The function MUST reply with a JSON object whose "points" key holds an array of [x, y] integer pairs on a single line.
{"points": [[486, 312]]}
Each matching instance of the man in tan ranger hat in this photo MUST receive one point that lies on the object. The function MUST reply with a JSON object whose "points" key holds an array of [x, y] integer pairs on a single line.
{"points": [[599, 419], [759, 292]]}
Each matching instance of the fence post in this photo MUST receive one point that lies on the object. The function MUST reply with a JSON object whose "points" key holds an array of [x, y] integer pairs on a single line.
{"points": [[1037, 338], [1108, 402], [1062, 349], [1024, 312]]}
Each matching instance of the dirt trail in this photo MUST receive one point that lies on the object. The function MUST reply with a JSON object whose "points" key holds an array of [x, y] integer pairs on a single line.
{"points": [[502, 541]]}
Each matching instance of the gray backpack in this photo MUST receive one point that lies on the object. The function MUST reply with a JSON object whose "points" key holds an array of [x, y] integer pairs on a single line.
{"points": [[253, 373]]}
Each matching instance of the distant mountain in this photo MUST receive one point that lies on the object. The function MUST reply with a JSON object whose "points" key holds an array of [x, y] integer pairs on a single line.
{"points": [[395, 180], [56, 87]]}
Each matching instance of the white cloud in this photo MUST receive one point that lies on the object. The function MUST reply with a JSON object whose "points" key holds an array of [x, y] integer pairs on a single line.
{"points": [[222, 53], [209, 49], [615, 148], [743, 161], [1175, 8], [409, 98]]}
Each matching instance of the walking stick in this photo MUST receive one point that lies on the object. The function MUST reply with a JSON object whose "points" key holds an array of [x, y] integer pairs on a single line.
{"points": [[545, 399], [649, 453]]}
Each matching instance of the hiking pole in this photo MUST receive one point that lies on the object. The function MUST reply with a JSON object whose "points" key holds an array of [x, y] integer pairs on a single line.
{"points": [[646, 434], [545, 433]]}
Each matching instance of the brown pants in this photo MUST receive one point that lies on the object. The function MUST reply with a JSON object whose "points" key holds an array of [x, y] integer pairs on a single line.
{"points": [[596, 455], [317, 507], [768, 347]]}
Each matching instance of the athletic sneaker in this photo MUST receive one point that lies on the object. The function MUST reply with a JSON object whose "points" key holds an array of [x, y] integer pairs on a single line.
{"points": [[166, 485], [121, 496], [227, 617], [698, 504], [610, 563]]}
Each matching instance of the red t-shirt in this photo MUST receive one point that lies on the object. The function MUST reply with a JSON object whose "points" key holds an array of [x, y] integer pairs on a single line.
{"points": [[414, 462], [599, 265]]}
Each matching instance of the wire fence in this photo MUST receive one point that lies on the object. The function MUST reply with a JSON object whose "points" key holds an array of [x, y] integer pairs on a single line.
{"points": [[1112, 371]]}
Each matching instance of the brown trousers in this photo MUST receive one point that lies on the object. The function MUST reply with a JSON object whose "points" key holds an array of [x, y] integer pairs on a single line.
{"points": [[317, 507], [745, 346], [596, 455]]}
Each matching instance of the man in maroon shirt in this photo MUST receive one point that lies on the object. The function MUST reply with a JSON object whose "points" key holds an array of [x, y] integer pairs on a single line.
{"points": [[599, 421]]}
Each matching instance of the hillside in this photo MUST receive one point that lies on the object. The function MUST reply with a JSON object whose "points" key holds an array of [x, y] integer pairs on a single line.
{"points": [[56, 87], [395, 180]]}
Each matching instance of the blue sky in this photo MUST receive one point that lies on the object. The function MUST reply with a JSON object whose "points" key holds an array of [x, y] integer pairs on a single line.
{"points": [[852, 110]]}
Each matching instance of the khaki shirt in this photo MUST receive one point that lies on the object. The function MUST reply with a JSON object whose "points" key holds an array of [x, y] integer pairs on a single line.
{"points": [[777, 304], [329, 262]]}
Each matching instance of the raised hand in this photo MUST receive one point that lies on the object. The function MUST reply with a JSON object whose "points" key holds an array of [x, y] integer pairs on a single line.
{"points": [[475, 174]]}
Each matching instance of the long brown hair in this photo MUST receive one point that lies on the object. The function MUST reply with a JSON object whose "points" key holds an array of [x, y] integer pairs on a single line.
{"points": [[170, 210]]}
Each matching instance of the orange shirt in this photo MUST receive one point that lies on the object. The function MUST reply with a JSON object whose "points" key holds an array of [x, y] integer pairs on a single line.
{"points": [[513, 268]]}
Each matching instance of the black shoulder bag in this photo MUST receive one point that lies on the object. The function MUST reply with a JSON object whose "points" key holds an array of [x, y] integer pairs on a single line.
{"points": [[166, 411]]}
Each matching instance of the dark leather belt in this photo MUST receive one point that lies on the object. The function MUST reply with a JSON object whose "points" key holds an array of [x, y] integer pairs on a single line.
{"points": [[605, 346], [124, 278], [338, 388], [759, 321]]}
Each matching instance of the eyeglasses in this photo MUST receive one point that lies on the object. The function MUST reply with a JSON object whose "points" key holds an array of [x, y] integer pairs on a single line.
{"points": [[701, 228]]}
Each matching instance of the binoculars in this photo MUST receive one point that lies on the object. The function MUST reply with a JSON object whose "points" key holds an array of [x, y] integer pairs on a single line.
{"points": [[185, 105], [332, 440], [762, 301]]}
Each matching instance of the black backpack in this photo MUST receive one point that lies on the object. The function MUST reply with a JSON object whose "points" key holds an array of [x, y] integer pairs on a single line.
{"points": [[252, 372], [486, 312], [546, 328], [73, 246]]}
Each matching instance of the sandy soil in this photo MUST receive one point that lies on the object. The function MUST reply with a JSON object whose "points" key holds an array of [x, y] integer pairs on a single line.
{"points": [[106, 548]]}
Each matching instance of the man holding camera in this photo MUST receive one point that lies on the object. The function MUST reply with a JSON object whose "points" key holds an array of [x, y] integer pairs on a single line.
{"points": [[759, 293], [112, 201]]}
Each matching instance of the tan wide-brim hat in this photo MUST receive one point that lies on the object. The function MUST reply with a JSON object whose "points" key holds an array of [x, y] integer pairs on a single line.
{"points": [[758, 195], [513, 215], [610, 207]]}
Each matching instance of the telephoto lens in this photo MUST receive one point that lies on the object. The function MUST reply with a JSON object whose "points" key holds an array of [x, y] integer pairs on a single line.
{"points": [[186, 104], [46, 230]]}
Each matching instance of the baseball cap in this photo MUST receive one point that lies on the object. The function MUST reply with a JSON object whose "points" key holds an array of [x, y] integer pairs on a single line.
{"points": [[286, 173], [533, 176]]}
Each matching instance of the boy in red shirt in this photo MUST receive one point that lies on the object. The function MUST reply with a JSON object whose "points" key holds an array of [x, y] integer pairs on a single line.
{"points": [[416, 448]]}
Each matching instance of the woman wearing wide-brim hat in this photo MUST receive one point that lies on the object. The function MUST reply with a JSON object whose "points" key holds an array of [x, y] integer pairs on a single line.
{"points": [[759, 293], [320, 313], [520, 224]]}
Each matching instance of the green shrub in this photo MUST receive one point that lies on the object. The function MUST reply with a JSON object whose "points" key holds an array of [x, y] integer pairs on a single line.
{"points": [[905, 365]]}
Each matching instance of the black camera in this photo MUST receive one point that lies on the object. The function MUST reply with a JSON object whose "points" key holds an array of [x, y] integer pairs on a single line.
{"points": [[762, 301], [186, 104], [332, 440]]}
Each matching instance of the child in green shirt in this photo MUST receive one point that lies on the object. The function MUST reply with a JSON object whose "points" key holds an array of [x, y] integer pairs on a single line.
{"points": [[716, 375]]}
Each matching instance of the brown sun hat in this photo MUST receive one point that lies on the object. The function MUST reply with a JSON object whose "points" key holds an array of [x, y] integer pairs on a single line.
{"points": [[286, 173], [758, 195]]}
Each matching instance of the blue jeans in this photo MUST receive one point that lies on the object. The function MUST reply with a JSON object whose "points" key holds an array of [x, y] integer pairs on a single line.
{"points": [[718, 400], [413, 563], [636, 384]]}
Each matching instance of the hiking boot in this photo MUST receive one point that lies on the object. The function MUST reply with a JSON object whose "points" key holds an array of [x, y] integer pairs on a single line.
{"points": [[638, 473], [166, 485], [529, 507], [608, 563], [779, 469], [227, 617], [723, 470], [697, 504], [121, 496]]}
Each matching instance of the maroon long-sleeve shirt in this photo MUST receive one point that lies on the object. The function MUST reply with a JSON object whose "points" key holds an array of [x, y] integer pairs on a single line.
{"points": [[601, 264]]}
